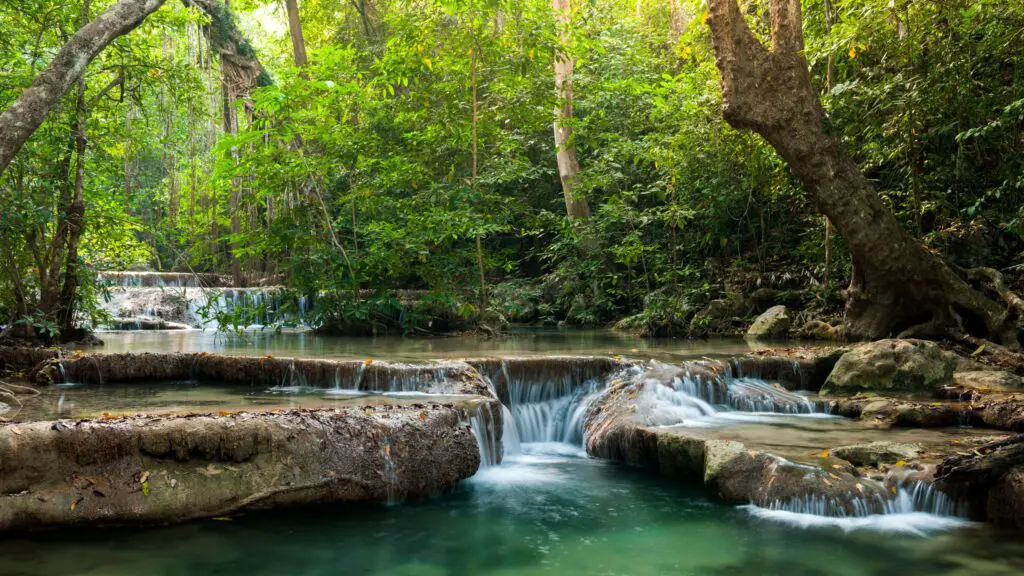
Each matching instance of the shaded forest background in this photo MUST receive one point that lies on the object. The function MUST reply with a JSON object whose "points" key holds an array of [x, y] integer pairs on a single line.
{"points": [[408, 145]]}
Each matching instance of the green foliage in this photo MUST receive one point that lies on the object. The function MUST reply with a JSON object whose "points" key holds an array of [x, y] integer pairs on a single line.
{"points": [[354, 181]]}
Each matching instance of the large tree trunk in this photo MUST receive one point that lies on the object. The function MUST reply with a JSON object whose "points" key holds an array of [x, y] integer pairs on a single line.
{"points": [[295, 28], [568, 165], [897, 284], [27, 113]]}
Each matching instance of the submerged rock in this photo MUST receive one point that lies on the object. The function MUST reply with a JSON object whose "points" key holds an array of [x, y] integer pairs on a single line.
{"points": [[894, 367], [772, 323], [159, 470], [876, 453]]}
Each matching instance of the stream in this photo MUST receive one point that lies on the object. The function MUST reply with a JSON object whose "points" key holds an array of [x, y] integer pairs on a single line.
{"points": [[547, 508]]}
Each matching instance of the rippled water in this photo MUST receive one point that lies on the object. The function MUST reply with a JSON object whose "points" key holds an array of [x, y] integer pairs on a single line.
{"points": [[549, 511]]}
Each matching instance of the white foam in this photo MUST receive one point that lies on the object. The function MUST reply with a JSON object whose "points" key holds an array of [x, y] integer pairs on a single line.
{"points": [[913, 523]]}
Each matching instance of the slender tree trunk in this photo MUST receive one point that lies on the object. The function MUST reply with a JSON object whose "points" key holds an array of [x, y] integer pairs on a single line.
{"points": [[295, 28], [830, 70], [897, 284], [576, 207], [66, 304], [474, 121]]}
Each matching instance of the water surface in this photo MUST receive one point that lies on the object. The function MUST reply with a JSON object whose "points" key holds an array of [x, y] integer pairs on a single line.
{"points": [[550, 511], [521, 342]]}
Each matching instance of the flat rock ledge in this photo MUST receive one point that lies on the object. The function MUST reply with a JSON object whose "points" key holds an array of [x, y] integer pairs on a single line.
{"points": [[151, 470]]}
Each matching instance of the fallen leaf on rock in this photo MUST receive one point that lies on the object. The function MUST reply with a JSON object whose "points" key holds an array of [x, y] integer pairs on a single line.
{"points": [[823, 454], [75, 504], [144, 477], [900, 463], [221, 518], [837, 466], [16, 431]]}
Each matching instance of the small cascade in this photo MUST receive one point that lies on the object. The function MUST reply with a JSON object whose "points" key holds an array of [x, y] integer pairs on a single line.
{"points": [[486, 423], [755, 395], [390, 471], [910, 497]]}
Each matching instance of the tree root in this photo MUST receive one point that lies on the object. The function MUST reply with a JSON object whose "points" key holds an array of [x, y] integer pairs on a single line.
{"points": [[8, 391]]}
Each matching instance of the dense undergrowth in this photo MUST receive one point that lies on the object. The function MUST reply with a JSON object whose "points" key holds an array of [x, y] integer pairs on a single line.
{"points": [[356, 172]]}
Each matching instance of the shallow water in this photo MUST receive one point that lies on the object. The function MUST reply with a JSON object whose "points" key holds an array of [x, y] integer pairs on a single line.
{"points": [[549, 511], [523, 342]]}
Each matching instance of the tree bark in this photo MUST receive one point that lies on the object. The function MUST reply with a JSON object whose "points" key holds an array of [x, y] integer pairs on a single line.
{"points": [[576, 207], [295, 28], [896, 283], [27, 113]]}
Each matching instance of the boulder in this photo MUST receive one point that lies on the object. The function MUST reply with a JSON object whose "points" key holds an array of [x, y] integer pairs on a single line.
{"points": [[876, 453], [772, 323], [892, 367]]}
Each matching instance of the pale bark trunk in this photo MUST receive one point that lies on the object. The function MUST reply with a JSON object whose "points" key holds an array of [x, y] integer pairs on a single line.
{"points": [[27, 113], [295, 28], [576, 207], [897, 284]]}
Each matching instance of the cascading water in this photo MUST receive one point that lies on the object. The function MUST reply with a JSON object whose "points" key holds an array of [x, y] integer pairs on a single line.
{"points": [[916, 508]]}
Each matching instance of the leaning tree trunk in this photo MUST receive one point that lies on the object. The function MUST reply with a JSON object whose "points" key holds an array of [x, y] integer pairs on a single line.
{"points": [[27, 113], [897, 284], [568, 165]]}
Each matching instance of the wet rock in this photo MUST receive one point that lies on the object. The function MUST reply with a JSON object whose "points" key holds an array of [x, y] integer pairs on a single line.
{"points": [[615, 430], [160, 470], [892, 367], [4, 408], [989, 381], [876, 453], [773, 323]]}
